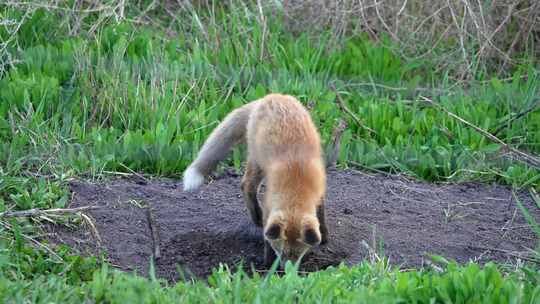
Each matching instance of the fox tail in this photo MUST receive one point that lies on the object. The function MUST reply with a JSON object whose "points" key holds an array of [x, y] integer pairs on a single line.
{"points": [[230, 132]]}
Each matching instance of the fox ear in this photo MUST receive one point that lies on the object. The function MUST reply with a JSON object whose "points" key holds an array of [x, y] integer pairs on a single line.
{"points": [[273, 231], [274, 225], [310, 231], [312, 237]]}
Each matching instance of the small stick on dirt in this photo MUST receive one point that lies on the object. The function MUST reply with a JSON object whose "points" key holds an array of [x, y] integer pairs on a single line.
{"points": [[336, 142], [508, 121], [280, 271], [90, 222], [531, 160], [367, 168], [154, 229], [37, 212], [143, 179], [509, 223], [507, 252], [342, 105]]}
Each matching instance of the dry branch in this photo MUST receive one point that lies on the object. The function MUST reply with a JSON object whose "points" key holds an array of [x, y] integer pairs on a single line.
{"points": [[507, 122], [342, 105], [526, 158], [507, 252], [419, 28], [90, 222], [280, 271], [143, 179], [37, 212]]}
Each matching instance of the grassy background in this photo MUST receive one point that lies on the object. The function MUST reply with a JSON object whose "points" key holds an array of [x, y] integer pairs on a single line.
{"points": [[90, 89]]}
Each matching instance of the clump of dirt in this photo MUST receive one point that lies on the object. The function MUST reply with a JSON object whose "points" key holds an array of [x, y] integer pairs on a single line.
{"points": [[367, 215]]}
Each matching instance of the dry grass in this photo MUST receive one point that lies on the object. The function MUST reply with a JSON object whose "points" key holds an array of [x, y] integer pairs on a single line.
{"points": [[461, 35]]}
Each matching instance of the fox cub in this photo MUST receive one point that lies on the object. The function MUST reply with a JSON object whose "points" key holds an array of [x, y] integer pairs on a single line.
{"points": [[283, 148]]}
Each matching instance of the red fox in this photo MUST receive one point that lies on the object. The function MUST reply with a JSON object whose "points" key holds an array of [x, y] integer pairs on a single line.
{"points": [[284, 148]]}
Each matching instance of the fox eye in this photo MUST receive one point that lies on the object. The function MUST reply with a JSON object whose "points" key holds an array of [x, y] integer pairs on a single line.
{"points": [[273, 232], [311, 237]]}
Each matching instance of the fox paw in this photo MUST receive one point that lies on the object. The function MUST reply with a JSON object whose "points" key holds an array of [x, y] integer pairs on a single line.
{"points": [[193, 179]]}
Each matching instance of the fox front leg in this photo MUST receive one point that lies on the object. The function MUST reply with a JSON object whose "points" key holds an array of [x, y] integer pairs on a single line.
{"points": [[322, 224], [250, 184], [269, 254]]}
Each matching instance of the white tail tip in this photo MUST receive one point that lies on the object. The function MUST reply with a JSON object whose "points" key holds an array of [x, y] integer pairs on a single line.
{"points": [[193, 179]]}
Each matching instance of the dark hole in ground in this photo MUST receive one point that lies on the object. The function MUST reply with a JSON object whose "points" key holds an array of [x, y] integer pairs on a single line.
{"points": [[406, 220]]}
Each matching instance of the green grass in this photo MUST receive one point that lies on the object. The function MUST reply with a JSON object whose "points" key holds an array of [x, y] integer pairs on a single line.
{"points": [[365, 283], [130, 97]]}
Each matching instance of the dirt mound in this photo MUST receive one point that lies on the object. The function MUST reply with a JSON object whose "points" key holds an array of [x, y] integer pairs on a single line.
{"points": [[404, 220]]}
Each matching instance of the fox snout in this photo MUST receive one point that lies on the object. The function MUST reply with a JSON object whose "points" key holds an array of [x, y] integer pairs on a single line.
{"points": [[291, 238], [292, 257]]}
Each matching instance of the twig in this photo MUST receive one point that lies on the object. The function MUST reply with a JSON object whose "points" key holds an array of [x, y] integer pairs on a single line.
{"points": [[366, 22], [154, 229], [489, 39], [336, 142], [381, 19], [342, 105], [508, 121], [280, 271], [264, 29], [507, 252], [36, 212], [144, 179], [531, 160], [90, 222], [374, 170]]}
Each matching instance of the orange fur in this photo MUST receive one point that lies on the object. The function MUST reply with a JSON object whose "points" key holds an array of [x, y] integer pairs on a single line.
{"points": [[283, 147]]}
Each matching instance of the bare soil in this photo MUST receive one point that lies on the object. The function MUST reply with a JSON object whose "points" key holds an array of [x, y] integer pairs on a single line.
{"points": [[368, 216]]}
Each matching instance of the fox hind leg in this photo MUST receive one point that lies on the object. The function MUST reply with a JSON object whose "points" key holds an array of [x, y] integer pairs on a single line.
{"points": [[250, 184]]}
